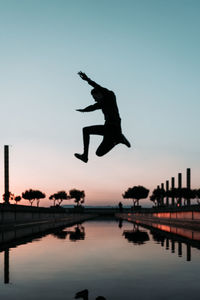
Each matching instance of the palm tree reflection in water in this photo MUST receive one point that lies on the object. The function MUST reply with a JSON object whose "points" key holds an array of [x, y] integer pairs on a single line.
{"points": [[74, 235], [136, 236], [163, 238]]}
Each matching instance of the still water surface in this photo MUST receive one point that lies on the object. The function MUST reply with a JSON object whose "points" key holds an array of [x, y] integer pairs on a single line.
{"points": [[98, 257]]}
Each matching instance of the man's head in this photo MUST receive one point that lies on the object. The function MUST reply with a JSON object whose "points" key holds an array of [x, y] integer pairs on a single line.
{"points": [[97, 95]]}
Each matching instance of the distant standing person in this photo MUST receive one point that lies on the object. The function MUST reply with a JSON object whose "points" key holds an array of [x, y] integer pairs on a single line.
{"points": [[111, 130], [120, 206]]}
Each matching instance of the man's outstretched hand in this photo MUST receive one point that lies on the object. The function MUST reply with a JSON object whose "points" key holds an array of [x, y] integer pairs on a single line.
{"points": [[81, 110], [83, 75]]}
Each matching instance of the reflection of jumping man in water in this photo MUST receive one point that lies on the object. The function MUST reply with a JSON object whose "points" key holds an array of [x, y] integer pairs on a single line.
{"points": [[111, 130]]}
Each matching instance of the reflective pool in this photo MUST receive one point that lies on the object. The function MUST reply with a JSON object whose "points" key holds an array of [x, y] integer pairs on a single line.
{"points": [[115, 260]]}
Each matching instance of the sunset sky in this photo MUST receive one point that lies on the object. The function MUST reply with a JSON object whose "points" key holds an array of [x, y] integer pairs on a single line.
{"points": [[146, 51]]}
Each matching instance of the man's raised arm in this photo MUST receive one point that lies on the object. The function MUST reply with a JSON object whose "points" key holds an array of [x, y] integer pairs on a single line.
{"points": [[90, 82]]}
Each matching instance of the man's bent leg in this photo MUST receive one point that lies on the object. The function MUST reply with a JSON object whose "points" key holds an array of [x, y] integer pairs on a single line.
{"points": [[105, 147], [97, 130]]}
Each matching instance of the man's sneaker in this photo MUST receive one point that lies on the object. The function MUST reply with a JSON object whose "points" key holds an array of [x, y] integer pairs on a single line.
{"points": [[81, 157]]}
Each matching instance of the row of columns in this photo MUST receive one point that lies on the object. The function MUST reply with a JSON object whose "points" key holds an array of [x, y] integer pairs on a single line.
{"points": [[188, 185]]}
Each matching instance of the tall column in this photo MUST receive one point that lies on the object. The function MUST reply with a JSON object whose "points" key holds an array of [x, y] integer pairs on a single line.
{"points": [[167, 189], [180, 186], [162, 199], [6, 173], [188, 182], [172, 187], [188, 178]]}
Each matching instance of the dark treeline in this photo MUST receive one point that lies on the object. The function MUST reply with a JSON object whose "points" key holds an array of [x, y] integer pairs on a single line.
{"points": [[160, 197], [176, 194], [57, 198]]}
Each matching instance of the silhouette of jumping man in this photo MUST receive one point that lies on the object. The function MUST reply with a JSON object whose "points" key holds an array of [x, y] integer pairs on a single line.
{"points": [[111, 130]]}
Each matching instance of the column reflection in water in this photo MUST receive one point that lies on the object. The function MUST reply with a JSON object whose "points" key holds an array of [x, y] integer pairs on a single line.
{"points": [[167, 238], [172, 246], [188, 252], [6, 266], [179, 249], [167, 244], [76, 233]]}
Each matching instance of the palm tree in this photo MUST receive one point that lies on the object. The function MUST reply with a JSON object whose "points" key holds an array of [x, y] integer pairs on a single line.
{"points": [[79, 196], [29, 195], [8, 196], [157, 196], [188, 194], [197, 195], [53, 197], [175, 193], [39, 195], [62, 195], [136, 193], [17, 199], [32, 195], [153, 199], [59, 197]]}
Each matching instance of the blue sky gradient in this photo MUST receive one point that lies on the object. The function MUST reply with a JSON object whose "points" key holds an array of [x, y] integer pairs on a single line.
{"points": [[147, 52]]}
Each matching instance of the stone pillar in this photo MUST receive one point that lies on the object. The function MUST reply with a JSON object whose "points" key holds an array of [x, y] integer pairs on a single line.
{"points": [[162, 199], [188, 183], [6, 173], [179, 249], [172, 246], [188, 178], [172, 187], [180, 186], [158, 203], [167, 244], [167, 189], [188, 252]]}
